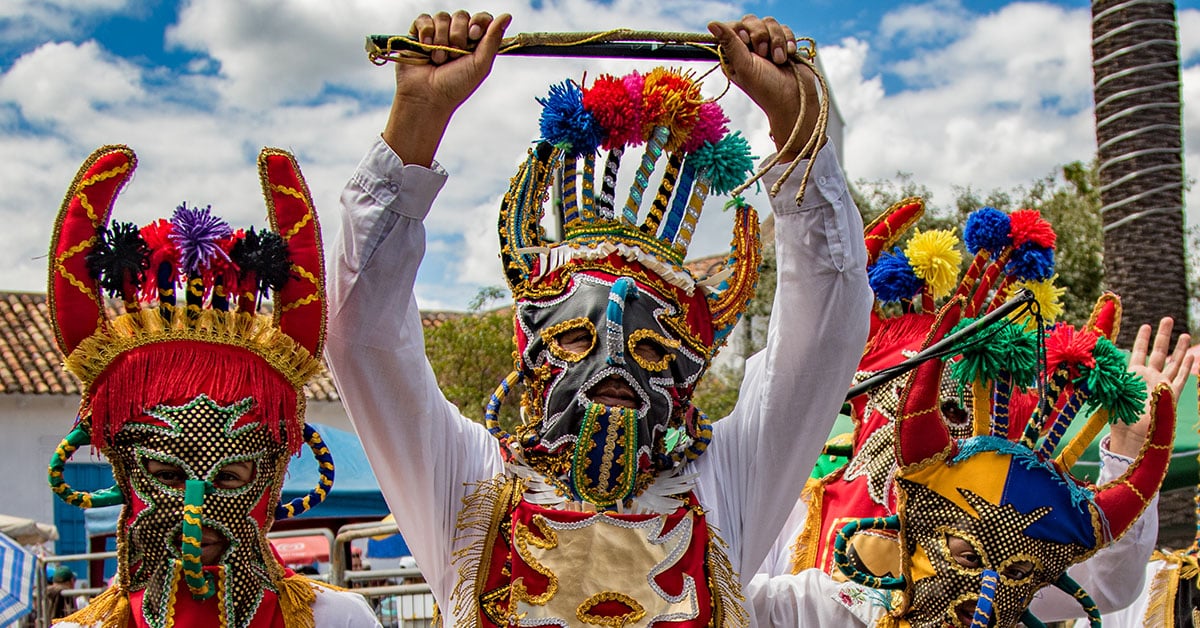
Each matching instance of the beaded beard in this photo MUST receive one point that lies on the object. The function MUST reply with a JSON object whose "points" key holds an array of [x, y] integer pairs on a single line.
{"points": [[598, 419], [193, 385], [1004, 492]]}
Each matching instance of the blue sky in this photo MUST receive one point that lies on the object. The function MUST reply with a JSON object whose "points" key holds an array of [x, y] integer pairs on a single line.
{"points": [[955, 92]]}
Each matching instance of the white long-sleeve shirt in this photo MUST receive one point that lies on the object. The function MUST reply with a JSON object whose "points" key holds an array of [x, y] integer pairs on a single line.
{"points": [[1113, 577], [427, 456]]}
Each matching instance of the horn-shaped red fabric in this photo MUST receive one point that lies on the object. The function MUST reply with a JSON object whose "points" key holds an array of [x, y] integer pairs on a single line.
{"points": [[887, 227], [300, 305], [86, 207], [1123, 500], [1106, 316], [745, 259], [920, 430]]}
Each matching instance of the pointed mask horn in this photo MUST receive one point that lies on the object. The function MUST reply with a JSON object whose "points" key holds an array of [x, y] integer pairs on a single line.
{"points": [[76, 303], [520, 217], [886, 229], [921, 431], [1106, 316], [300, 305], [737, 290], [1123, 500]]}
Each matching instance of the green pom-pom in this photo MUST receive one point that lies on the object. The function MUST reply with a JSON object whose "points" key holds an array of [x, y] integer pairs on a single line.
{"points": [[1112, 386], [1002, 349], [727, 163]]}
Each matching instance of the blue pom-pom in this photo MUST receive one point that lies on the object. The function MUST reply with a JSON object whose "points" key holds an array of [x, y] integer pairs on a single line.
{"points": [[1031, 262], [566, 123], [892, 278], [987, 229]]}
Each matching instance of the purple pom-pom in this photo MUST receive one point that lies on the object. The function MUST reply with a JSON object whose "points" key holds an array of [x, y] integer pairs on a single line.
{"points": [[987, 229], [1031, 262], [566, 123], [892, 278], [198, 235]]}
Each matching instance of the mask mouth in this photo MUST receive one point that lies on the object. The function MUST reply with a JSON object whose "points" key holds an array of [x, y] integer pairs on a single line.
{"points": [[213, 545], [614, 391], [965, 612]]}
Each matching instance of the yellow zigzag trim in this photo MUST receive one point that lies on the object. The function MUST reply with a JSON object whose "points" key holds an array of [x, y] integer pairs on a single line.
{"points": [[300, 302], [60, 266]]}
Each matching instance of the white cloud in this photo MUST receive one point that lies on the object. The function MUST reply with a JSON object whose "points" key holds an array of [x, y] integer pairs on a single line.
{"points": [[64, 81]]}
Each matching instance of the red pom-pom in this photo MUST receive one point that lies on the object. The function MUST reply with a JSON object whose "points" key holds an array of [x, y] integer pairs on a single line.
{"points": [[162, 249], [1067, 346], [1029, 226], [616, 110]]}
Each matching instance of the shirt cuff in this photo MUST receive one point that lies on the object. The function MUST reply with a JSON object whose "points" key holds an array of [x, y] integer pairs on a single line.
{"points": [[826, 183], [1107, 458], [406, 189]]}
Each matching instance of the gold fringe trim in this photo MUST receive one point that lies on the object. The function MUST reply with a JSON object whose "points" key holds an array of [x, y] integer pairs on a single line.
{"points": [[724, 586], [110, 609], [804, 549], [1160, 606], [256, 333], [478, 522], [296, 597]]}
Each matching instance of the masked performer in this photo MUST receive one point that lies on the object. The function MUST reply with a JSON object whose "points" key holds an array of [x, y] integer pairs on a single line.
{"points": [[617, 502], [985, 522], [1011, 252], [195, 398]]}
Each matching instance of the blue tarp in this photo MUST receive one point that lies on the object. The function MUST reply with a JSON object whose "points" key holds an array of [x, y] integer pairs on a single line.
{"points": [[355, 492]]}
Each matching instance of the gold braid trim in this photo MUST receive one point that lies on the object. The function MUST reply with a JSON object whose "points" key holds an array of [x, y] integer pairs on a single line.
{"points": [[296, 597], [110, 609], [478, 524], [254, 332], [724, 586]]}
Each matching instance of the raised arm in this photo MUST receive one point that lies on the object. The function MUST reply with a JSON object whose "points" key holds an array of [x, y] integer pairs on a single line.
{"points": [[421, 449], [792, 390]]}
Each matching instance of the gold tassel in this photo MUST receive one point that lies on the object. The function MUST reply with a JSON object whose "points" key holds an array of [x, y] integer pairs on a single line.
{"points": [[296, 598], [477, 524], [724, 585], [108, 610]]}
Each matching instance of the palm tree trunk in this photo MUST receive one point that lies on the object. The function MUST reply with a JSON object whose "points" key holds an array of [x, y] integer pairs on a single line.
{"points": [[1135, 53]]}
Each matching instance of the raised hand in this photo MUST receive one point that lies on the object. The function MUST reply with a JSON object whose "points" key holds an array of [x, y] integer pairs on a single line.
{"points": [[1160, 365], [756, 53], [427, 95]]}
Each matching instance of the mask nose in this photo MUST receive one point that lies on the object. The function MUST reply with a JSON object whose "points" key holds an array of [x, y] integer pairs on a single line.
{"points": [[202, 585], [624, 289]]}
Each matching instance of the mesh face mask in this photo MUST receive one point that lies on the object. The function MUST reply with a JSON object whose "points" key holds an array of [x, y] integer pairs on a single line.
{"points": [[1003, 496], [189, 382]]}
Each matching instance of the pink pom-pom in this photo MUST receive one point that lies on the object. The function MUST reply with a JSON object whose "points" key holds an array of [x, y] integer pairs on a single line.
{"points": [[1029, 226], [710, 127], [634, 84]]}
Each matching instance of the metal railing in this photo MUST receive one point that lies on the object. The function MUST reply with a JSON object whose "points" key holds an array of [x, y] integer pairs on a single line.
{"points": [[404, 600]]}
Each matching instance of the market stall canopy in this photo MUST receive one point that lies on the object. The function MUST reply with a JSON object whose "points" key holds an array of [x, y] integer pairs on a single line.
{"points": [[355, 491], [27, 531]]}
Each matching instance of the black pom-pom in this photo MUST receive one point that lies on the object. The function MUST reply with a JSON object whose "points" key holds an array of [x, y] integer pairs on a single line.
{"points": [[263, 255], [119, 259]]}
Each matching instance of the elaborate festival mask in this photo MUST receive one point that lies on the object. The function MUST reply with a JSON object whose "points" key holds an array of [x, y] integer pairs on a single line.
{"points": [[197, 403], [985, 522], [612, 330]]}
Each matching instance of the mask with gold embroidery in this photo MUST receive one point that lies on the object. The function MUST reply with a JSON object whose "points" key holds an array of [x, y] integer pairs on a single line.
{"points": [[986, 521], [613, 331], [198, 402]]}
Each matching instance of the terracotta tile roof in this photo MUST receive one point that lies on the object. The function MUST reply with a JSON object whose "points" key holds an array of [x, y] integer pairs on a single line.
{"points": [[30, 363], [702, 267]]}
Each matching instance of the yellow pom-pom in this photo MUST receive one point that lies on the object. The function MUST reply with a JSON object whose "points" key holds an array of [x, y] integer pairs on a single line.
{"points": [[1047, 296], [935, 258]]}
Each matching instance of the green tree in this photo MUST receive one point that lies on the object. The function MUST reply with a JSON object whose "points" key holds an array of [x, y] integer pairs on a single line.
{"points": [[471, 354]]}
